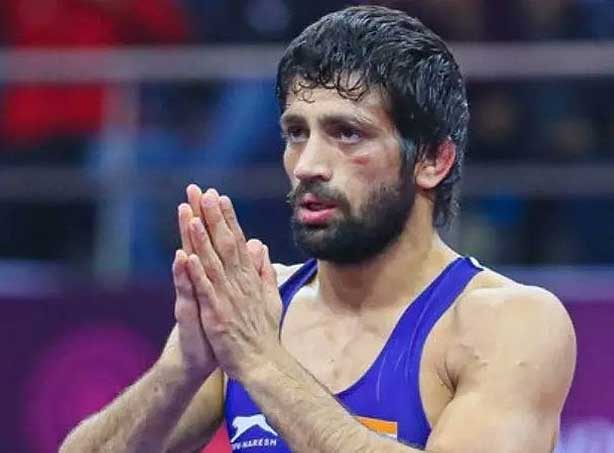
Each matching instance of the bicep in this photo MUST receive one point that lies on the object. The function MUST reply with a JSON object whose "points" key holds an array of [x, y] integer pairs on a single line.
{"points": [[514, 378], [475, 422], [202, 417]]}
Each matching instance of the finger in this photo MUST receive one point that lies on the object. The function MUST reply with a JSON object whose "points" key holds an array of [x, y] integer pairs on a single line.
{"points": [[185, 214], [204, 249], [255, 250], [186, 308], [203, 288], [221, 236], [194, 193], [231, 218], [183, 287]]}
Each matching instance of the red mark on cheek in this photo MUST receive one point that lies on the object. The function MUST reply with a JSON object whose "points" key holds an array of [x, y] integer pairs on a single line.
{"points": [[361, 160]]}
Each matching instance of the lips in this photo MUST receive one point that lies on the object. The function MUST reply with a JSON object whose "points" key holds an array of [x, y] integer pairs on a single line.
{"points": [[315, 211], [316, 206], [314, 203]]}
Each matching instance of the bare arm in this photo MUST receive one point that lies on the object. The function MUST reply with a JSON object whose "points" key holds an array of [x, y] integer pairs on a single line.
{"points": [[305, 414], [514, 361], [147, 416], [143, 417], [511, 358], [201, 419], [140, 419], [508, 398], [198, 423]]}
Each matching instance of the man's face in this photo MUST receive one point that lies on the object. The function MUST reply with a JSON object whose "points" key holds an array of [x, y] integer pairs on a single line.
{"points": [[351, 195]]}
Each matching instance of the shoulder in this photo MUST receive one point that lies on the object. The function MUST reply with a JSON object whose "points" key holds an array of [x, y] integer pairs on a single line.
{"points": [[497, 300], [285, 271], [501, 322]]}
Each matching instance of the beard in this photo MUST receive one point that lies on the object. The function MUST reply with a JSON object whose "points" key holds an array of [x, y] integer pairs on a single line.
{"points": [[353, 238]]}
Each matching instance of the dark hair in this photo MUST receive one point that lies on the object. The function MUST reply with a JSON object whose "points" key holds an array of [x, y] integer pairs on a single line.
{"points": [[418, 77]]}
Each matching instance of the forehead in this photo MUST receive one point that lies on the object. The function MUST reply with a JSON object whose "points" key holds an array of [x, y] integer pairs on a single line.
{"points": [[313, 103]]}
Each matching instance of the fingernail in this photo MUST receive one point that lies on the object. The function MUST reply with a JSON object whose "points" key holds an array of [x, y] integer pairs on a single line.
{"points": [[215, 195], [225, 201], [208, 200]]}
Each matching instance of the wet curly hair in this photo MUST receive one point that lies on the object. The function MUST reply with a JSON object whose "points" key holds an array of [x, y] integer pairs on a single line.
{"points": [[362, 48]]}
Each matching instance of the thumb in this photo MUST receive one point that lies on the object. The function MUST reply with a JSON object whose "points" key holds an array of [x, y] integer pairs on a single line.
{"points": [[255, 250], [268, 273]]}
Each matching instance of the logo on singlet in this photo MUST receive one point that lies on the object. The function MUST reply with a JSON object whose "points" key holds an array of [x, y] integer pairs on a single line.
{"points": [[243, 424]]}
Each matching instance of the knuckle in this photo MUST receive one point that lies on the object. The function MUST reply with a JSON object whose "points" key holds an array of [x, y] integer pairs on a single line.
{"points": [[202, 292], [201, 235], [211, 267], [219, 327], [183, 289], [185, 312], [227, 246]]}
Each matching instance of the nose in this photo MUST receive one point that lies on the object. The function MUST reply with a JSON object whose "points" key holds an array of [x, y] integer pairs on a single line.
{"points": [[313, 161]]}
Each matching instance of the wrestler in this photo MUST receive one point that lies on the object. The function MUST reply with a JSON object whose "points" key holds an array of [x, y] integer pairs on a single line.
{"points": [[386, 339]]}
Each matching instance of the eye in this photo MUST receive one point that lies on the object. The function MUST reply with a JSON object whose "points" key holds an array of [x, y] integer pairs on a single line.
{"points": [[294, 134], [348, 135]]}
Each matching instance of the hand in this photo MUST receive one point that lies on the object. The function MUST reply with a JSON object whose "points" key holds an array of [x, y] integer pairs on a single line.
{"points": [[240, 307], [187, 346]]}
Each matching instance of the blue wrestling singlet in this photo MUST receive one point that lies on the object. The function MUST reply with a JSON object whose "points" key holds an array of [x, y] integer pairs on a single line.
{"points": [[386, 398]]}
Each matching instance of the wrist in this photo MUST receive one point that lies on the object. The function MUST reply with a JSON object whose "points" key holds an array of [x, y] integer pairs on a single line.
{"points": [[182, 373], [261, 370], [196, 365]]}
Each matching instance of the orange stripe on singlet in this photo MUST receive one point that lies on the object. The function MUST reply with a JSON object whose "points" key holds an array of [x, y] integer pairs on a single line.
{"points": [[386, 427]]}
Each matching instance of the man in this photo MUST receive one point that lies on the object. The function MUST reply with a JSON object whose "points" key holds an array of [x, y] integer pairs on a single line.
{"points": [[389, 341]]}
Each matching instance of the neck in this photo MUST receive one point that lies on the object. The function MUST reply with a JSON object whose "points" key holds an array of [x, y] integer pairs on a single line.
{"points": [[392, 277]]}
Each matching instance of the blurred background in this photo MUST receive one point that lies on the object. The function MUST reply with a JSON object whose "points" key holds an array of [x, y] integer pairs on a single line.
{"points": [[109, 108]]}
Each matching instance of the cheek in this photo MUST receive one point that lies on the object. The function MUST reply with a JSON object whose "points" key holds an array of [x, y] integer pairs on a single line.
{"points": [[367, 171], [366, 174], [381, 165], [358, 183], [361, 160], [289, 159]]}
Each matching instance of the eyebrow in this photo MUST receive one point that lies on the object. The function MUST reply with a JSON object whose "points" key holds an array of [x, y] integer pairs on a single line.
{"points": [[329, 118], [288, 118]]}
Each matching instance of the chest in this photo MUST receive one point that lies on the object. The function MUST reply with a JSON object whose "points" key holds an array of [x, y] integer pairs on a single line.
{"points": [[343, 351], [335, 350]]}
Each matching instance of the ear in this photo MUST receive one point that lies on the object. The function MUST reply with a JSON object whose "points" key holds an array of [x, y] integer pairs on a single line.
{"points": [[430, 171]]}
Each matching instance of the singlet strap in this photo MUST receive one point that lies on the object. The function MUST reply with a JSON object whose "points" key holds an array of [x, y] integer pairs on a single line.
{"points": [[436, 301], [291, 286], [441, 296]]}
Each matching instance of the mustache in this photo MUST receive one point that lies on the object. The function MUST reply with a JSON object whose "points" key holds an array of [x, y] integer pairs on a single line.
{"points": [[320, 190]]}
